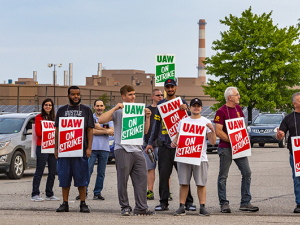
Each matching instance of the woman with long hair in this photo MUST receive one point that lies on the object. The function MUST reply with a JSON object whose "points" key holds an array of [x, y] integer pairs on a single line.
{"points": [[47, 113]]}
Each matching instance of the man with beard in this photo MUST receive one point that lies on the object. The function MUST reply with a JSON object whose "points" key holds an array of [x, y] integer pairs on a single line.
{"points": [[166, 153], [75, 167]]}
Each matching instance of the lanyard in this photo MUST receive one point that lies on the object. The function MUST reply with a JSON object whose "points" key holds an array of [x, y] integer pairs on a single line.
{"points": [[78, 110], [295, 123], [228, 111]]}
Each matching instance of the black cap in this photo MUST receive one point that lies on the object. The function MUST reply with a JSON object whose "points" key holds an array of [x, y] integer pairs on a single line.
{"points": [[170, 82], [196, 100]]}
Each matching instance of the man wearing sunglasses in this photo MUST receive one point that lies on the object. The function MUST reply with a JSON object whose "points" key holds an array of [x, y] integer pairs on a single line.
{"points": [[156, 97]]}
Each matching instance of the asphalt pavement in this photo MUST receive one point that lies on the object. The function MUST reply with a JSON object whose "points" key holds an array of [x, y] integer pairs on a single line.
{"points": [[271, 189]]}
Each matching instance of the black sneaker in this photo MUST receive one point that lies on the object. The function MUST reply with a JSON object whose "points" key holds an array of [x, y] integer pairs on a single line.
{"points": [[180, 211], [190, 207], [161, 207], [126, 212], [98, 197], [203, 212], [145, 212], [225, 208], [78, 197], [84, 208], [297, 209], [249, 207], [63, 207]]}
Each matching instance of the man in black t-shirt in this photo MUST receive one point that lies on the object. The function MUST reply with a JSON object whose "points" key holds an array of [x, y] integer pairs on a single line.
{"points": [[156, 97], [166, 153], [291, 124], [74, 167]]}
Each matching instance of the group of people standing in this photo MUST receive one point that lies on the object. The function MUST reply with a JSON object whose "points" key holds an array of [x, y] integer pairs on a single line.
{"points": [[133, 161]]}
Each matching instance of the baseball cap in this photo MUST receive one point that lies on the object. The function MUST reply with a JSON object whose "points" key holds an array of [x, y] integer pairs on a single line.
{"points": [[196, 100], [170, 82]]}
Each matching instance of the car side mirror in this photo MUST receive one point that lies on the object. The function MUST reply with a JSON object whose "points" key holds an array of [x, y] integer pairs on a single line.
{"points": [[28, 132]]}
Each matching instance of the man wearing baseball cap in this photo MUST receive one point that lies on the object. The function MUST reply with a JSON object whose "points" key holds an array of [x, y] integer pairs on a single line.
{"points": [[166, 153], [199, 172]]}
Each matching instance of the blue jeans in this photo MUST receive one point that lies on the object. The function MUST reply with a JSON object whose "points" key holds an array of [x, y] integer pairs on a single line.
{"points": [[102, 157], [41, 160], [225, 155], [296, 181]]}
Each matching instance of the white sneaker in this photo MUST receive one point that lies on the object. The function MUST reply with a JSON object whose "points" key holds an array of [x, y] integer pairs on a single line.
{"points": [[52, 198], [37, 198]]}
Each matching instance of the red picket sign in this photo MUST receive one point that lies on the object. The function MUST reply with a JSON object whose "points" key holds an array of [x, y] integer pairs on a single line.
{"points": [[48, 137], [296, 154]]}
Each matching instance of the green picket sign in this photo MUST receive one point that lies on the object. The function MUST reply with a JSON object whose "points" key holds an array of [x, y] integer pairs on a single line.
{"points": [[165, 68]]}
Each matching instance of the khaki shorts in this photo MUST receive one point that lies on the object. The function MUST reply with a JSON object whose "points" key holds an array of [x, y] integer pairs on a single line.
{"points": [[185, 172]]}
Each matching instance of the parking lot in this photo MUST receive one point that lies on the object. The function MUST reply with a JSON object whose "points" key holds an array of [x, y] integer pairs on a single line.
{"points": [[271, 189]]}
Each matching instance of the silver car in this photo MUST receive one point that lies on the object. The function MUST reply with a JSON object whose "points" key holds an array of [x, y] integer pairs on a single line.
{"points": [[15, 143]]}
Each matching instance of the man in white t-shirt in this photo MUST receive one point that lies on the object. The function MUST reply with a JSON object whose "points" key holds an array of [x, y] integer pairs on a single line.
{"points": [[185, 170]]}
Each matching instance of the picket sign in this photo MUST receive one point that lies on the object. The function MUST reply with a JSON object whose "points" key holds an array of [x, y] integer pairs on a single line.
{"points": [[190, 143], [133, 118], [70, 137], [296, 154], [238, 136], [171, 115], [48, 137], [164, 68], [33, 142]]}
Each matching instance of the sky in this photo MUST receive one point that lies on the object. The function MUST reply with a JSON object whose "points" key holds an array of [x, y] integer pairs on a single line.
{"points": [[120, 34]]}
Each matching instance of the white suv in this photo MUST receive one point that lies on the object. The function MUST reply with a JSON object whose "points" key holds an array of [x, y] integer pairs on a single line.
{"points": [[15, 143]]}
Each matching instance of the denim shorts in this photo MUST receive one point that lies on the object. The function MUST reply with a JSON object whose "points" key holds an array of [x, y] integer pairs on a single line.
{"points": [[77, 167]]}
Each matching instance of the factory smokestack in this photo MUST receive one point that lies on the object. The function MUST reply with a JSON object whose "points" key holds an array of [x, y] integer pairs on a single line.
{"points": [[99, 70], [65, 77], [201, 52], [70, 74], [34, 76]]}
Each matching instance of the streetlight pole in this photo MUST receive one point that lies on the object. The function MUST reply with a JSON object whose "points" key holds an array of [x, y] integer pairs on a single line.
{"points": [[54, 78]]}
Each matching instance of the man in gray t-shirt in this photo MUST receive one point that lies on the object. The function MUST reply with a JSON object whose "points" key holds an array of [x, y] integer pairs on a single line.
{"points": [[130, 160]]}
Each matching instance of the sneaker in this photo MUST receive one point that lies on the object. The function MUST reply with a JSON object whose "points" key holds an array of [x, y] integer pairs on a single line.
{"points": [[84, 208], [63, 207], [249, 207], [52, 198], [170, 196], [98, 197], [78, 197], [297, 209], [125, 212], [150, 195], [203, 212], [145, 212], [180, 211], [161, 207], [37, 198], [190, 207], [225, 208]]}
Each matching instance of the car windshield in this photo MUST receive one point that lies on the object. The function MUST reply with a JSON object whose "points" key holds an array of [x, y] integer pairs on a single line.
{"points": [[10, 125], [268, 119]]}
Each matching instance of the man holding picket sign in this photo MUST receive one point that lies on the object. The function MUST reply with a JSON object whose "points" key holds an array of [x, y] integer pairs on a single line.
{"points": [[129, 127], [291, 124], [172, 110], [73, 146], [227, 112], [191, 154]]}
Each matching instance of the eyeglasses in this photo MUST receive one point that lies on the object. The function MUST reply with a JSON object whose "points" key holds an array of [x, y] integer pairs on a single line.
{"points": [[159, 95], [238, 94], [48, 105]]}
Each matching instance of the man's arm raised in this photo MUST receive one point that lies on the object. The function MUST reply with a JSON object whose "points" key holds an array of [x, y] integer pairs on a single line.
{"points": [[107, 116]]}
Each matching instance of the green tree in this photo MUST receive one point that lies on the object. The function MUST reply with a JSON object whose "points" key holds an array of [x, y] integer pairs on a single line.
{"points": [[259, 58]]}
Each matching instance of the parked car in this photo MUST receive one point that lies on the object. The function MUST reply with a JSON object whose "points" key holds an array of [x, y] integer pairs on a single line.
{"points": [[111, 148], [264, 128], [15, 143], [210, 147]]}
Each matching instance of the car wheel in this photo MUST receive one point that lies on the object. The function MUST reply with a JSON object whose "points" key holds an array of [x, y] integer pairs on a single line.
{"points": [[282, 143], [16, 169], [261, 144]]}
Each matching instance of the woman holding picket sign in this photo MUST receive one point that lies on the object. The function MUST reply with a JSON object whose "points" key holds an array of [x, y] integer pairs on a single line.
{"points": [[47, 114]]}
